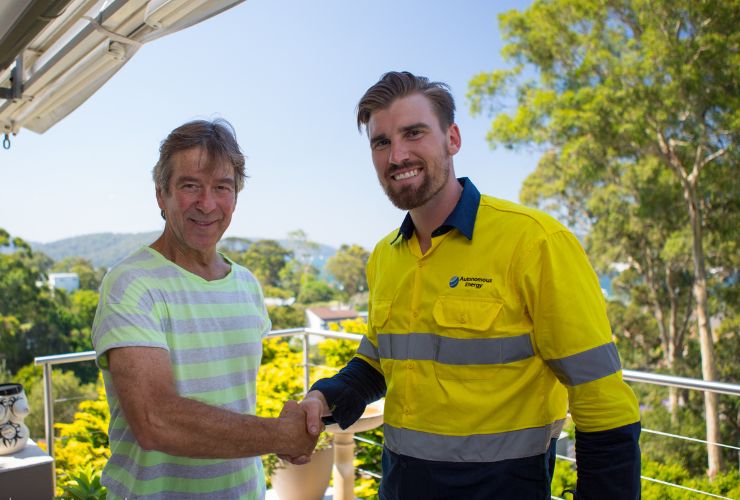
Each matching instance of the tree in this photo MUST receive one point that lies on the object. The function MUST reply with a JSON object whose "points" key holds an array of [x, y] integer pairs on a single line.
{"points": [[313, 290], [90, 278], [626, 81], [19, 273], [265, 258], [303, 249], [284, 317], [348, 268]]}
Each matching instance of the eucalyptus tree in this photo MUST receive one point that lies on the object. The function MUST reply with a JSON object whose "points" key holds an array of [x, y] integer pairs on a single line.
{"points": [[606, 83]]}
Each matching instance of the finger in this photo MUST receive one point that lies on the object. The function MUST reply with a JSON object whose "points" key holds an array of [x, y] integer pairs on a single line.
{"points": [[288, 406], [302, 460]]}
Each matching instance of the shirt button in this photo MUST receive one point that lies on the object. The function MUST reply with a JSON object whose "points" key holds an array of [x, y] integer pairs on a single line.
{"points": [[415, 313], [406, 410], [464, 318], [410, 365]]}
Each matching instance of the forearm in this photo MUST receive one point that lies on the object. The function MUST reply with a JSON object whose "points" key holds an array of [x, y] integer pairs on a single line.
{"points": [[349, 391], [163, 420], [185, 427], [609, 463]]}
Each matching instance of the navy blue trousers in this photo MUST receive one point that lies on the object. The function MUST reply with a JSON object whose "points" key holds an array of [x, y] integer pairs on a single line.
{"points": [[408, 478]]}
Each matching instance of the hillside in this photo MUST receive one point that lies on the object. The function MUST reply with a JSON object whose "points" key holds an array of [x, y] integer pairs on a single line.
{"points": [[106, 249]]}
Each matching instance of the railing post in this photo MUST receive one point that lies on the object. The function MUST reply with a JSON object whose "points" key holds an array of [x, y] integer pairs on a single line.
{"points": [[306, 368], [49, 421]]}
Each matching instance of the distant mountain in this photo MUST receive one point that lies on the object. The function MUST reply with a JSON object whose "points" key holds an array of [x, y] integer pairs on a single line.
{"points": [[102, 249], [107, 249]]}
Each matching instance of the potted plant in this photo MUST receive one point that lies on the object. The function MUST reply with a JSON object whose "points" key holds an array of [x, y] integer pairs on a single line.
{"points": [[302, 482]]}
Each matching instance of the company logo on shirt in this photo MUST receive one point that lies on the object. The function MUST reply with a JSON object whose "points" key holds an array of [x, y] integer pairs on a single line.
{"points": [[470, 281]]}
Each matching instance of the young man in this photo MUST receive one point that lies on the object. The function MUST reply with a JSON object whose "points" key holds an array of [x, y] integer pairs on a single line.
{"points": [[178, 335], [486, 325]]}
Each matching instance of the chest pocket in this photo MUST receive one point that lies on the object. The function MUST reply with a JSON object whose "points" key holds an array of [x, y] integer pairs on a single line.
{"points": [[467, 358], [381, 312], [469, 313]]}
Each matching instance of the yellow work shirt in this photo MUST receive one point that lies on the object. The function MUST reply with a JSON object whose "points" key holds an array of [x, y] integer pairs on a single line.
{"points": [[485, 343]]}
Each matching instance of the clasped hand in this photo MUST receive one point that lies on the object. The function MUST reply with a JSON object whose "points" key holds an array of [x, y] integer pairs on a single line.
{"points": [[303, 426]]}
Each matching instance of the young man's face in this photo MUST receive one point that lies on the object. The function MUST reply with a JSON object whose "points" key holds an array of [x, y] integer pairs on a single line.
{"points": [[411, 152], [201, 200]]}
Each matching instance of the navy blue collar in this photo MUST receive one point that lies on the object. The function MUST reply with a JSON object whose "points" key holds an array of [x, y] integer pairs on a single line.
{"points": [[461, 218]]}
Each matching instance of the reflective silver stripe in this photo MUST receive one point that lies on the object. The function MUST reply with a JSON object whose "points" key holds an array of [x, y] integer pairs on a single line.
{"points": [[368, 349], [586, 366], [472, 448], [453, 351]]}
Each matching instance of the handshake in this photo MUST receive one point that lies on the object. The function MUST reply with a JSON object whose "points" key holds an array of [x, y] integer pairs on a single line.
{"points": [[300, 426]]}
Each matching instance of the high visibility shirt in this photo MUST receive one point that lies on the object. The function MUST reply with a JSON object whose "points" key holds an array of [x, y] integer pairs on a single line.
{"points": [[487, 339]]}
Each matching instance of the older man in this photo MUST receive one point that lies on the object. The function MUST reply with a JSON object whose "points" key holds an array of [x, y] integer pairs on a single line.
{"points": [[178, 336], [486, 325]]}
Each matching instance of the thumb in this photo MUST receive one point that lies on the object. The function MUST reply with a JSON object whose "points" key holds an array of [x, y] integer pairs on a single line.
{"points": [[313, 416]]}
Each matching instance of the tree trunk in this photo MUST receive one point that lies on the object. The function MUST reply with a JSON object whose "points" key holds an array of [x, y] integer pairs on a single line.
{"points": [[711, 399]]}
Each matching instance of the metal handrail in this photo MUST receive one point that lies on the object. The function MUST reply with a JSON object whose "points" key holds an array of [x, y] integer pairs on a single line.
{"points": [[630, 375], [681, 382]]}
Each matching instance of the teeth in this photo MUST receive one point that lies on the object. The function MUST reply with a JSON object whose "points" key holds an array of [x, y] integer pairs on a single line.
{"points": [[406, 175]]}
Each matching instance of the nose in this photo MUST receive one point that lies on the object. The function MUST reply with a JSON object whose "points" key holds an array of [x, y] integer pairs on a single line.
{"points": [[399, 153], [206, 201]]}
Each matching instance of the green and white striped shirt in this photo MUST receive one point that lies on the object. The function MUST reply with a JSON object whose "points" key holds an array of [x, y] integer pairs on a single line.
{"points": [[213, 331]]}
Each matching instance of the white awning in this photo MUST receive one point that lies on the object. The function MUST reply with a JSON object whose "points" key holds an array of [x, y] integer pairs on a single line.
{"points": [[65, 50]]}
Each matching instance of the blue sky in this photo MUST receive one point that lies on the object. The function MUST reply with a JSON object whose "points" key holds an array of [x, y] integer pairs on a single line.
{"points": [[287, 75]]}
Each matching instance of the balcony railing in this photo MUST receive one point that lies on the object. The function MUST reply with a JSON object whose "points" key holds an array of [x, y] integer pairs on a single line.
{"points": [[629, 375]]}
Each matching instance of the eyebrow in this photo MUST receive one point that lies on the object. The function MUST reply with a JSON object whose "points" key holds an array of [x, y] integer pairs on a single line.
{"points": [[419, 125], [188, 178]]}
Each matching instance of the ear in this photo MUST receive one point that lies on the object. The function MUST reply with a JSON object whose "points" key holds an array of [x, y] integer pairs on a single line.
{"points": [[454, 141], [160, 199]]}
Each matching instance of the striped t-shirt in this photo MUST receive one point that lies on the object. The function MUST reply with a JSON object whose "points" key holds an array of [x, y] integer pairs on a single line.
{"points": [[213, 331]]}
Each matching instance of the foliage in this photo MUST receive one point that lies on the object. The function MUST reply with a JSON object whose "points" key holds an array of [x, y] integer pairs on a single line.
{"points": [[82, 448], [726, 485], [637, 105], [90, 277], [564, 478], [34, 321], [284, 317], [265, 258], [313, 290], [66, 389], [348, 268], [85, 485], [84, 304]]}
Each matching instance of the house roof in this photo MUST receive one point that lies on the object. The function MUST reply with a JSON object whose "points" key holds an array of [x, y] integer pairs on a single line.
{"points": [[329, 313]]}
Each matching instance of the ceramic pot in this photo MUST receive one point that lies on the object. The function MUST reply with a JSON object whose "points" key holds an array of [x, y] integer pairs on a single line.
{"points": [[304, 482], [13, 409]]}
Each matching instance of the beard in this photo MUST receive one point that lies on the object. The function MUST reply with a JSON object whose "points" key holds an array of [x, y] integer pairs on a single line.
{"points": [[410, 197]]}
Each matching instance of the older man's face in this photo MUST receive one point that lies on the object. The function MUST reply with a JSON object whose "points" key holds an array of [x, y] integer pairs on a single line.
{"points": [[200, 202]]}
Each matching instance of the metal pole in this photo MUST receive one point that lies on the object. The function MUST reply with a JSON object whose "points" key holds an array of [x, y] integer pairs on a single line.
{"points": [[306, 368], [49, 421]]}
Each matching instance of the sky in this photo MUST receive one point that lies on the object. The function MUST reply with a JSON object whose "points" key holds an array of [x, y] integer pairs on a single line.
{"points": [[287, 74]]}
